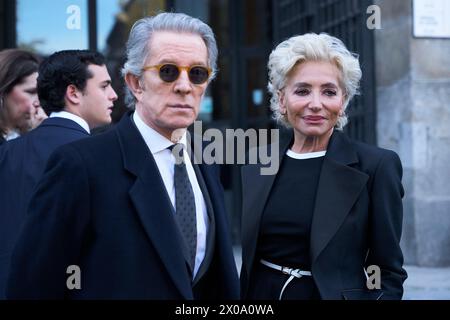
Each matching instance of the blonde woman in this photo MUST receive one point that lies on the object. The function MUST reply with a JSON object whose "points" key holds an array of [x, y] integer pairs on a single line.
{"points": [[335, 206]]}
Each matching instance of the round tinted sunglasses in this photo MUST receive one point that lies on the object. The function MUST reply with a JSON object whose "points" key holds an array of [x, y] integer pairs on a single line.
{"points": [[170, 72]]}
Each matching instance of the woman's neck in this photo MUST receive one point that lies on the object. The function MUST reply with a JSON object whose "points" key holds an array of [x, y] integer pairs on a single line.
{"points": [[308, 144]]}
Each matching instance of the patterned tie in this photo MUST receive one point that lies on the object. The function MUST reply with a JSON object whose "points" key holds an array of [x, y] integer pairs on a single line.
{"points": [[184, 203]]}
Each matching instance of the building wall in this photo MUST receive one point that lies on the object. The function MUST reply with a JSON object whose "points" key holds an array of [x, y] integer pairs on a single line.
{"points": [[7, 24], [413, 112]]}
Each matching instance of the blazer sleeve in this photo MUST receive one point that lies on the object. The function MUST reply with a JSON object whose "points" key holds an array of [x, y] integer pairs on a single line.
{"points": [[53, 232], [386, 215]]}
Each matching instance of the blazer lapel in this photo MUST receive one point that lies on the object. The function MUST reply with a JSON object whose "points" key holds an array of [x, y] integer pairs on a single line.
{"points": [[256, 190], [339, 187], [211, 235], [153, 205]]}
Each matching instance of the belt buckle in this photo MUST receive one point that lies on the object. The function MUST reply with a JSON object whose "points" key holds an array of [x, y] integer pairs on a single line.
{"points": [[291, 272], [286, 270]]}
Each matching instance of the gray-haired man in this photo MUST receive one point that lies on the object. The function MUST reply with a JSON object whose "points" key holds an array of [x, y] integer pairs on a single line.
{"points": [[118, 209]]}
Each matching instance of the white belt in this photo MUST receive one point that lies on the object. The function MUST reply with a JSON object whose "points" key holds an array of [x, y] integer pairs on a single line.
{"points": [[293, 273]]}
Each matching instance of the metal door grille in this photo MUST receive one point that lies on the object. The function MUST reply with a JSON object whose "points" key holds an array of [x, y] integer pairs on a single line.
{"points": [[345, 19]]}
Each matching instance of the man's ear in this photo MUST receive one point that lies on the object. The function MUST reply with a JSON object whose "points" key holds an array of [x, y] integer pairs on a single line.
{"points": [[73, 95], [134, 84]]}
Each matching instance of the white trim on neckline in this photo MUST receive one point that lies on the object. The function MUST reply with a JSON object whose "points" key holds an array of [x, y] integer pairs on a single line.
{"points": [[302, 156]]}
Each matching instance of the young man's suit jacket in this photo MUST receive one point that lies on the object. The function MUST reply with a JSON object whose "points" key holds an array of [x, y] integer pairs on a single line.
{"points": [[22, 162]]}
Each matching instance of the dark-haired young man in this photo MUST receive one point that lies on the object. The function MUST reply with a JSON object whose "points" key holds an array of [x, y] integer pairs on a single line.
{"points": [[74, 87]]}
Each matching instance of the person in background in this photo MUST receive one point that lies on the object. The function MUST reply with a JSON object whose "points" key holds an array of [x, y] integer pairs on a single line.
{"points": [[335, 206], [19, 101], [74, 87]]}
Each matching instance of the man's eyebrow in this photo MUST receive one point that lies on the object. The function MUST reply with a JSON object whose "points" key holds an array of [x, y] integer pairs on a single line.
{"points": [[170, 61]]}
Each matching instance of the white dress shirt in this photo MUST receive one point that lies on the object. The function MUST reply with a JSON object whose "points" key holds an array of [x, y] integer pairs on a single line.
{"points": [[165, 160], [73, 117], [11, 135]]}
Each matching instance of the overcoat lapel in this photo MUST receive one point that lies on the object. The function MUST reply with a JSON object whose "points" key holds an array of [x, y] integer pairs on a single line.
{"points": [[339, 188], [153, 205], [203, 179]]}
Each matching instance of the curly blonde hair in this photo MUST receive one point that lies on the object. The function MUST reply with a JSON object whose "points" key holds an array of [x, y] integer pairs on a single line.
{"points": [[312, 47]]}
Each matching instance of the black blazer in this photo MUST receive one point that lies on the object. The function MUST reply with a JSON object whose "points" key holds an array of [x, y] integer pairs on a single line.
{"points": [[102, 205], [22, 162], [357, 220]]}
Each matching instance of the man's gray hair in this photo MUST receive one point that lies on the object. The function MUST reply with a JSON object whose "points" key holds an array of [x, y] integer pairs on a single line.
{"points": [[138, 49], [312, 47]]}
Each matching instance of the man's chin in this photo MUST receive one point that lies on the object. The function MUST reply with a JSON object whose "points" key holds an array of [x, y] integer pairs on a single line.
{"points": [[181, 122]]}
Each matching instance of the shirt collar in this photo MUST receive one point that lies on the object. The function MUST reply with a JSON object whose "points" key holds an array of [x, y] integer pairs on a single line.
{"points": [[73, 117], [154, 140], [12, 134]]}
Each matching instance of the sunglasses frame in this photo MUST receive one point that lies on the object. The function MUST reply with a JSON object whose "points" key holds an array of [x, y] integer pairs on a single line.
{"points": [[180, 69]]}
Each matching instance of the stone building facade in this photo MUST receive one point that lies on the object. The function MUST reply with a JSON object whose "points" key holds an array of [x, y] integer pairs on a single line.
{"points": [[413, 116]]}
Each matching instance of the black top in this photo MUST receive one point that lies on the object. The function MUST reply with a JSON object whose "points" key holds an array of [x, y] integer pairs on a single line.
{"points": [[286, 222]]}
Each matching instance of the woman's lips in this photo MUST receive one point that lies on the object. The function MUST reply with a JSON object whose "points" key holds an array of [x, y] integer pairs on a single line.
{"points": [[314, 119]]}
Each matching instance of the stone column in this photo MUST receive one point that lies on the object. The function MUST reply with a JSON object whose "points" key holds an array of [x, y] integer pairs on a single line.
{"points": [[413, 119]]}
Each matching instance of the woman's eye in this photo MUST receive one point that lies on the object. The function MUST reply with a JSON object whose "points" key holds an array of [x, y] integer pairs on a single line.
{"points": [[330, 93], [302, 92]]}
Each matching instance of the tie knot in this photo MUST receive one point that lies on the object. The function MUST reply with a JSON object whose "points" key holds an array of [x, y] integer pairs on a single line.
{"points": [[177, 151]]}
